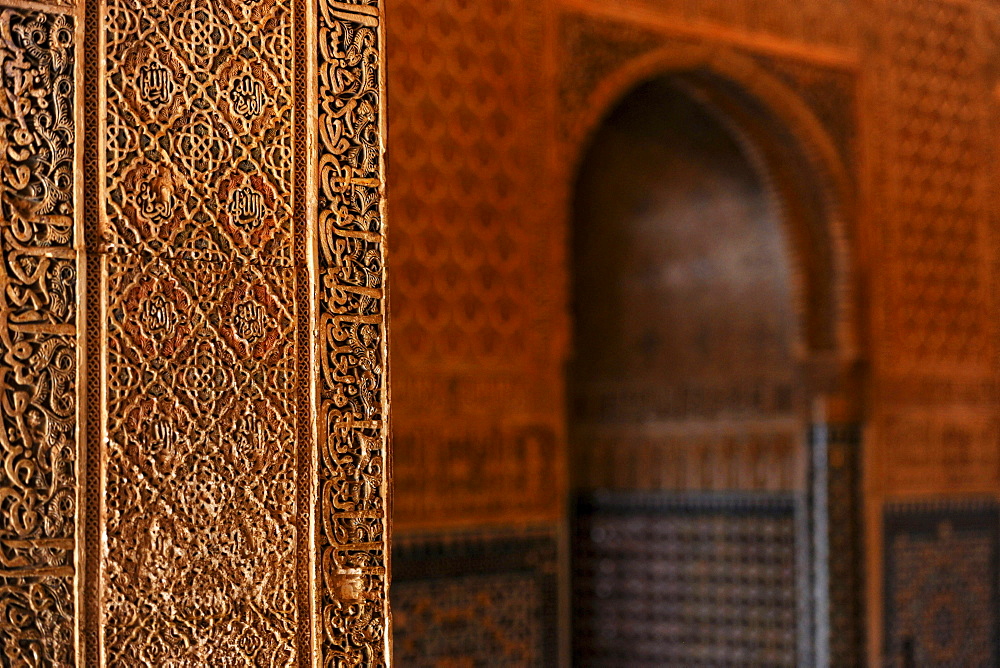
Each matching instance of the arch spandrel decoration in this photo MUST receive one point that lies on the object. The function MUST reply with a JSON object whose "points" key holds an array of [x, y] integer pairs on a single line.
{"points": [[193, 344]]}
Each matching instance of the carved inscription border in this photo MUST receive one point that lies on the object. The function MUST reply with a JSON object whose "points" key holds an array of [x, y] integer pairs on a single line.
{"points": [[353, 394], [38, 337]]}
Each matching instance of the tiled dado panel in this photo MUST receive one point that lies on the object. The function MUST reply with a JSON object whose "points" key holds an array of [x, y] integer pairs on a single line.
{"points": [[192, 344], [476, 598], [686, 580], [941, 579]]}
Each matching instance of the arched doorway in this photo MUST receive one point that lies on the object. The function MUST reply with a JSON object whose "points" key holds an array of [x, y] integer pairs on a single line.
{"points": [[696, 320]]}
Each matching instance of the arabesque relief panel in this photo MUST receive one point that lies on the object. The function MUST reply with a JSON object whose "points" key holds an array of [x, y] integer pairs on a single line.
{"points": [[933, 345], [209, 450], [352, 492]]}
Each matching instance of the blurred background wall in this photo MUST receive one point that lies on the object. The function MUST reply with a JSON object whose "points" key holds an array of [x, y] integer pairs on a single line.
{"points": [[549, 420]]}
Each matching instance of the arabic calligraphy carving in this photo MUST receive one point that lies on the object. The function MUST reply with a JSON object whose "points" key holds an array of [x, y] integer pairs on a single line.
{"points": [[352, 346], [37, 339]]}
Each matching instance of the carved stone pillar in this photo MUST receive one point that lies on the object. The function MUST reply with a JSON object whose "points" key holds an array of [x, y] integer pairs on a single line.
{"points": [[192, 337]]}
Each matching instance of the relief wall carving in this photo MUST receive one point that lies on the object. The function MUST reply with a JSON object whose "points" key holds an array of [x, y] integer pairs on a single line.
{"points": [[933, 187], [479, 334], [38, 337], [220, 476]]}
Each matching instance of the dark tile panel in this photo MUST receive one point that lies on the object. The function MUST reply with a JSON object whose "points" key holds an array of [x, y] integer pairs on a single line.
{"points": [[941, 584], [476, 598], [662, 579]]}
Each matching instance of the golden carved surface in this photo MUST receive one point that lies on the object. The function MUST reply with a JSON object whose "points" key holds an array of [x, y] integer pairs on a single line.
{"points": [[225, 486], [201, 317], [352, 537], [38, 318]]}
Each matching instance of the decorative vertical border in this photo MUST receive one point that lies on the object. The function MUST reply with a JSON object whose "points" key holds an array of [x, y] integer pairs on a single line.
{"points": [[352, 535], [80, 245], [303, 229], [836, 557], [40, 332], [89, 648]]}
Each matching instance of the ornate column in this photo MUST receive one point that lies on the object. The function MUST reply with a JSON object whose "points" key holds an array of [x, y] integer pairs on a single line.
{"points": [[192, 342]]}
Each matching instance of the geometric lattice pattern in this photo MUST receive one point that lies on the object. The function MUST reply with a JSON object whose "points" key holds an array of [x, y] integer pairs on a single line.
{"points": [[938, 291], [476, 288], [476, 600], [240, 242], [201, 334], [941, 602], [194, 220], [700, 580], [465, 124]]}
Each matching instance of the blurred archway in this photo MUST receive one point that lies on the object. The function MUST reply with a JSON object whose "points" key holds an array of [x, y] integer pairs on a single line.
{"points": [[702, 300]]}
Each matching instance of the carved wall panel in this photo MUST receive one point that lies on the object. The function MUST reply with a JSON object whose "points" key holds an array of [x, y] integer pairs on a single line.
{"points": [[939, 291], [220, 480], [934, 336], [933, 312], [477, 293]]}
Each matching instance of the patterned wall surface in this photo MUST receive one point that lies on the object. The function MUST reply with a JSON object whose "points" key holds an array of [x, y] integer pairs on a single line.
{"points": [[476, 599], [941, 584], [200, 338], [696, 580], [477, 306], [231, 316], [351, 549], [934, 343]]}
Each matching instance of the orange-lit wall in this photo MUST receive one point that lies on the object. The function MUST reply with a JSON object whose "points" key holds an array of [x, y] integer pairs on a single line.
{"points": [[491, 101]]}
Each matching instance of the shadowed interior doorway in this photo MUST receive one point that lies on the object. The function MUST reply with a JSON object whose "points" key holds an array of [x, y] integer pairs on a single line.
{"points": [[687, 420]]}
